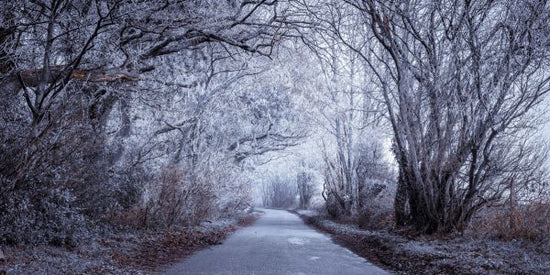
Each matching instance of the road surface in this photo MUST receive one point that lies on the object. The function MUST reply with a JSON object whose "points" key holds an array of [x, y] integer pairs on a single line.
{"points": [[277, 243]]}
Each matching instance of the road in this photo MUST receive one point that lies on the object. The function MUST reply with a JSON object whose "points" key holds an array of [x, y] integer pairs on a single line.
{"points": [[277, 243]]}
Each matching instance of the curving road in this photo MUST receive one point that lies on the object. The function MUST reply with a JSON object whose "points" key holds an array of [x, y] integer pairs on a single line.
{"points": [[277, 243]]}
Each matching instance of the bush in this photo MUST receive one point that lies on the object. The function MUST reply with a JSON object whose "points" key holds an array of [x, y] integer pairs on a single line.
{"points": [[529, 222], [34, 212], [177, 201], [51, 183], [334, 205], [377, 208]]}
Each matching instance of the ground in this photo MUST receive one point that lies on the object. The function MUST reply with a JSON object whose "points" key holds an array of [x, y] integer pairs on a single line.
{"points": [[120, 251], [278, 243], [437, 254]]}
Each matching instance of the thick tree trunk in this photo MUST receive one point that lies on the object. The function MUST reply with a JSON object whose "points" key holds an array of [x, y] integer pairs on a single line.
{"points": [[400, 201]]}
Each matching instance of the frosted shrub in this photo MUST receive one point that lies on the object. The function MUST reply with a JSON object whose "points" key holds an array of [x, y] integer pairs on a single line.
{"points": [[178, 200], [36, 213], [377, 207], [527, 222]]}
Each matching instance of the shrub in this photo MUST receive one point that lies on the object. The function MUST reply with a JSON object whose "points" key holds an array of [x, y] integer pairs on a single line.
{"points": [[177, 200], [527, 222], [35, 212], [52, 182], [377, 208]]}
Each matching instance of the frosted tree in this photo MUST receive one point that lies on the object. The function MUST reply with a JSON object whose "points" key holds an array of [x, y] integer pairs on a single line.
{"points": [[345, 107], [459, 80], [72, 78]]}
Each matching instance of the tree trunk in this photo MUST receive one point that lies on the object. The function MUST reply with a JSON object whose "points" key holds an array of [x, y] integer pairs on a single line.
{"points": [[400, 201]]}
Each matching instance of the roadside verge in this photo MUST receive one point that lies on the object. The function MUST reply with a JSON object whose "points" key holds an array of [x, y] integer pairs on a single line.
{"points": [[435, 254]]}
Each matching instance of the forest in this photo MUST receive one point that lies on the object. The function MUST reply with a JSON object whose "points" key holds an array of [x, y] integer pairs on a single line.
{"points": [[421, 118]]}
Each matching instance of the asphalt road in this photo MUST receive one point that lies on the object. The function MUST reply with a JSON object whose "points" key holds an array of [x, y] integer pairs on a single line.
{"points": [[277, 243]]}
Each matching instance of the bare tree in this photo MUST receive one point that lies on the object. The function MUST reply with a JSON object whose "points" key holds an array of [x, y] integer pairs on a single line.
{"points": [[279, 192], [458, 80], [306, 188], [345, 106], [73, 76]]}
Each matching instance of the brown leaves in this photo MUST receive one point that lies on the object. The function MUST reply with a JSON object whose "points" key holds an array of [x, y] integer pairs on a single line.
{"points": [[169, 246]]}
